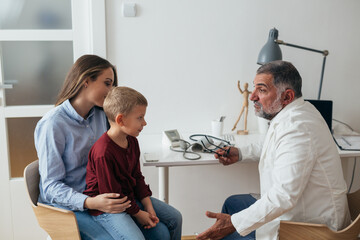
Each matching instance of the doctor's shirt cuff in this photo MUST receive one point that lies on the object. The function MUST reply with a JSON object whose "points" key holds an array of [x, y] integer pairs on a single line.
{"points": [[240, 154]]}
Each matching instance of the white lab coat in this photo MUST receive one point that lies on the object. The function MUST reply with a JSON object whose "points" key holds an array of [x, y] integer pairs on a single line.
{"points": [[301, 177]]}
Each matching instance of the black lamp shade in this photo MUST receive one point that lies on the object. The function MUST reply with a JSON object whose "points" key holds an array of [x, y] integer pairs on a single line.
{"points": [[271, 50]]}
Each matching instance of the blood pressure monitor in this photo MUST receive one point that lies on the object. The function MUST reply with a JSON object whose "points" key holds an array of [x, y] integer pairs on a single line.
{"points": [[171, 138]]}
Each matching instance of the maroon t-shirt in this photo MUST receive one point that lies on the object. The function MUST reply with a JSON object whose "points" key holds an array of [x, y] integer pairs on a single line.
{"points": [[113, 169]]}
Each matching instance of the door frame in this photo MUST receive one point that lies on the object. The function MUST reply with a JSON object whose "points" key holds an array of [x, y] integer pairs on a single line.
{"points": [[88, 35]]}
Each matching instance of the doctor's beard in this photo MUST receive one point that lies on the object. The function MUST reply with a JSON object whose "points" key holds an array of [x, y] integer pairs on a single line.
{"points": [[274, 109]]}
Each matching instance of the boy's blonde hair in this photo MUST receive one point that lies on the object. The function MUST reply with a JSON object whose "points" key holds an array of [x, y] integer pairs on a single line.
{"points": [[121, 100]]}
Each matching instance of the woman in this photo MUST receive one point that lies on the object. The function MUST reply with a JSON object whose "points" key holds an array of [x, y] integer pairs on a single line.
{"points": [[63, 138]]}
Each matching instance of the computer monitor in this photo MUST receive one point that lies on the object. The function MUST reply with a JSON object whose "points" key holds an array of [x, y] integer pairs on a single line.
{"points": [[325, 107]]}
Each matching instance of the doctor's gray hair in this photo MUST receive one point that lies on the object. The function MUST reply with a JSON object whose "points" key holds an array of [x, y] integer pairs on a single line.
{"points": [[285, 75]]}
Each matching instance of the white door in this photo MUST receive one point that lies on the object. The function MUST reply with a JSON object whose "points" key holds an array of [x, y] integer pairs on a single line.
{"points": [[39, 41]]}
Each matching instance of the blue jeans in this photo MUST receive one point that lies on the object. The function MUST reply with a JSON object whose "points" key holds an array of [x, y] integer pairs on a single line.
{"points": [[119, 226], [123, 226], [234, 204], [89, 229]]}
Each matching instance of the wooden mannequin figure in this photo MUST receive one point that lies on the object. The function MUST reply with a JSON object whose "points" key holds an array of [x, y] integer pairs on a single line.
{"points": [[245, 106]]}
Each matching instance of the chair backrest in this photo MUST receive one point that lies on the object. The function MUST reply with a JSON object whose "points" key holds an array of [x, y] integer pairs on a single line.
{"points": [[59, 223], [298, 231], [32, 179], [354, 204]]}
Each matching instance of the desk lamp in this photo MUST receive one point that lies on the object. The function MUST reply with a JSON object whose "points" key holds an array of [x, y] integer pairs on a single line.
{"points": [[271, 52]]}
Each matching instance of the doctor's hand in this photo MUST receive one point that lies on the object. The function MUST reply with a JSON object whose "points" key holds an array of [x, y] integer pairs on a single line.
{"points": [[220, 229], [107, 202], [227, 155]]}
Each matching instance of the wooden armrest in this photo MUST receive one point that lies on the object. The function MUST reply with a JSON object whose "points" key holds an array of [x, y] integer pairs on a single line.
{"points": [[315, 225], [58, 223], [299, 231], [53, 208], [310, 231]]}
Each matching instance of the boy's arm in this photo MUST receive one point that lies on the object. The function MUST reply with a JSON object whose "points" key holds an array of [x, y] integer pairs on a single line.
{"points": [[146, 202], [141, 189]]}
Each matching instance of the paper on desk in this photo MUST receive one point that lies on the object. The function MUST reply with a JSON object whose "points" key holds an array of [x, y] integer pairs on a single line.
{"points": [[151, 157], [348, 142]]}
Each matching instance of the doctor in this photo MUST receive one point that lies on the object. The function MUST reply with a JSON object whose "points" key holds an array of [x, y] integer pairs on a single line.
{"points": [[301, 178]]}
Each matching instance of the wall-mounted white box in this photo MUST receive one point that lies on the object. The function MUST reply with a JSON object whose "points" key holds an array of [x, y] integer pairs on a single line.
{"points": [[129, 9]]}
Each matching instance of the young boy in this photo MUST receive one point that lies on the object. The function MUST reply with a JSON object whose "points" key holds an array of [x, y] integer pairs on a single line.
{"points": [[114, 167]]}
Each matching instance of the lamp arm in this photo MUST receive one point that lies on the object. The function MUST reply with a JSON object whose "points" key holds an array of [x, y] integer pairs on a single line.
{"points": [[322, 77], [324, 52]]}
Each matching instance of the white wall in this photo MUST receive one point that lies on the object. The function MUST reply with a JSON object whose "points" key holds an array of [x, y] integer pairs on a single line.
{"points": [[187, 56]]}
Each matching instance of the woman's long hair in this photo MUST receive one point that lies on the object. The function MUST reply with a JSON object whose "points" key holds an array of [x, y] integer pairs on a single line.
{"points": [[87, 66]]}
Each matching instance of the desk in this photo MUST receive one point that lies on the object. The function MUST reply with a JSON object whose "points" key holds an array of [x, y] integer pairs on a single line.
{"points": [[167, 158]]}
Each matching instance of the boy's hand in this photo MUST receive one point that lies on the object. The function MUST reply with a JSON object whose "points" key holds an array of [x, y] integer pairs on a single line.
{"points": [[107, 202], [153, 216], [148, 207], [146, 219]]}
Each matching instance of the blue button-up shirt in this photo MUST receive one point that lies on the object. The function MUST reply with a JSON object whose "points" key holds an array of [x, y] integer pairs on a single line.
{"points": [[63, 139]]}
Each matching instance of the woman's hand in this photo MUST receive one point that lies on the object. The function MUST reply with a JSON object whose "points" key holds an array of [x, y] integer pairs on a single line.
{"points": [[107, 202], [227, 155]]}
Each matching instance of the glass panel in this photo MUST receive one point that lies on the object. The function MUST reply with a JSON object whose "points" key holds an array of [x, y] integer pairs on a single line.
{"points": [[36, 69], [21, 143], [35, 14]]}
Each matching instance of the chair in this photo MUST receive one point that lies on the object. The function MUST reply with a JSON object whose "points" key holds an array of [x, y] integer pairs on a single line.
{"points": [[307, 231], [58, 223]]}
